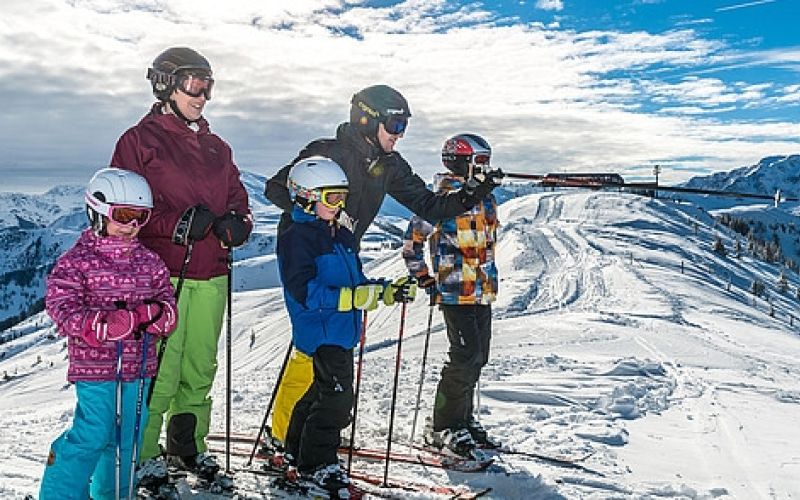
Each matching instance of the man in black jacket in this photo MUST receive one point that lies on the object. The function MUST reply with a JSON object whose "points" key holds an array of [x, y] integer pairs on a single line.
{"points": [[364, 148]]}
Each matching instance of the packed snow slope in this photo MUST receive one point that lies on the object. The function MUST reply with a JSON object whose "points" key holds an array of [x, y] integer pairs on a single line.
{"points": [[618, 331]]}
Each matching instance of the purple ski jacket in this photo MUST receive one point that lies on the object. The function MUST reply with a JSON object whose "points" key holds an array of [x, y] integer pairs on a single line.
{"points": [[95, 275], [184, 168]]}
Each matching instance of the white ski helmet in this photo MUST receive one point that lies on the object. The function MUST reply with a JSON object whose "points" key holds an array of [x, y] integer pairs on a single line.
{"points": [[310, 177], [115, 186]]}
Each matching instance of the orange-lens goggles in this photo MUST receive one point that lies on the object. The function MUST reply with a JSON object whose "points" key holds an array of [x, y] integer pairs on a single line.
{"points": [[334, 198], [130, 215]]}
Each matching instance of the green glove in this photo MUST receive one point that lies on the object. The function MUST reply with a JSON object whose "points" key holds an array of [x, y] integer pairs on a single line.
{"points": [[366, 297], [402, 290], [345, 299], [362, 297]]}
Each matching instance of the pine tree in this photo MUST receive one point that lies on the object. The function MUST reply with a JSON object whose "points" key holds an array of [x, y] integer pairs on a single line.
{"points": [[719, 247]]}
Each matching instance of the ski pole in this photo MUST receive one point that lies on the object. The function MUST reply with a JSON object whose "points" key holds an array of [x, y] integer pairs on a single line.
{"points": [[394, 393], [363, 340], [162, 347], [271, 402], [137, 422], [118, 423], [228, 366], [422, 372]]}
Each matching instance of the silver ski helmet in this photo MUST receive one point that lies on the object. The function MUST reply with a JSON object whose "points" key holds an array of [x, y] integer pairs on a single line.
{"points": [[466, 154], [171, 68], [316, 179], [379, 104], [110, 187]]}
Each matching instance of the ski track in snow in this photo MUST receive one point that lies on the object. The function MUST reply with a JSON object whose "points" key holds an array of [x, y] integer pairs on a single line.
{"points": [[678, 386]]}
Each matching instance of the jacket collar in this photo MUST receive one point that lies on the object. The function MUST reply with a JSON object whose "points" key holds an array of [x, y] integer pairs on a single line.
{"points": [[348, 135], [109, 246], [172, 123]]}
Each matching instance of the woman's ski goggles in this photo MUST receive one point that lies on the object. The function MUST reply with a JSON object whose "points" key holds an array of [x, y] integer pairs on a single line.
{"points": [[395, 124], [195, 85], [334, 197]]}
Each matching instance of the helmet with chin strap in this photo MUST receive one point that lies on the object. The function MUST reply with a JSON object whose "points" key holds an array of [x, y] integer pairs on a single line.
{"points": [[466, 154], [378, 104], [180, 68], [114, 186], [310, 178], [170, 64]]}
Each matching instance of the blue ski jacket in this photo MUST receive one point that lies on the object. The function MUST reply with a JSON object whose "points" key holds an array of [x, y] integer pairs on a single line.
{"points": [[315, 260]]}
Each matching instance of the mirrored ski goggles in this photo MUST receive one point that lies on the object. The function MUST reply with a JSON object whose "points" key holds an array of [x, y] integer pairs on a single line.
{"points": [[195, 85], [395, 124], [334, 197], [481, 159]]}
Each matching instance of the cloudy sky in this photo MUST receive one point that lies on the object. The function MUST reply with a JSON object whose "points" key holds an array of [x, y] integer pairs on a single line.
{"points": [[554, 85]]}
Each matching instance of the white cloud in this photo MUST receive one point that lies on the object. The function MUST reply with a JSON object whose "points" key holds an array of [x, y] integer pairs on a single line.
{"points": [[546, 98], [550, 4]]}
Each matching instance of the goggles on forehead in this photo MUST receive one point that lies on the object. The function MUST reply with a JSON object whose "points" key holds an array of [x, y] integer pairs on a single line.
{"points": [[395, 124], [126, 215], [194, 85], [333, 197]]}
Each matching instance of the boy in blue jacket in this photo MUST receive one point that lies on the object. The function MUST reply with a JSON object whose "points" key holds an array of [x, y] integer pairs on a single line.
{"points": [[325, 292]]}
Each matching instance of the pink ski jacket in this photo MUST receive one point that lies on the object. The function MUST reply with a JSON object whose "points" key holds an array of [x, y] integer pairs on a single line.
{"points": [[99, 274]]}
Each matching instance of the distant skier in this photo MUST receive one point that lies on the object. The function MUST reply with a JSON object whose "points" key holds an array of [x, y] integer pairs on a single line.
{"points": [[464, 283], [325, 292], [199, 202], [98, 294], [365, 149]]}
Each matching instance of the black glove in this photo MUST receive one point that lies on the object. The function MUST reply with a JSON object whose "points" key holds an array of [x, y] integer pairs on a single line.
{"points": [[232, 229], [193, 225], [474, 191], [426, 281]]}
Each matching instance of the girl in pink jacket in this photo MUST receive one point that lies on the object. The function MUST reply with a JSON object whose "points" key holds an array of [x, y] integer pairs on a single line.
{"points": [[104, 294]]}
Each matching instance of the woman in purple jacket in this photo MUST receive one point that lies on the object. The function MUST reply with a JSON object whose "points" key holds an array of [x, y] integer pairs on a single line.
{"points": [[102, 295], [199, 204]]}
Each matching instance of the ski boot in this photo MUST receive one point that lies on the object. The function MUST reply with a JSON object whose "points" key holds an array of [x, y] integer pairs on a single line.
{"points": [[481, 437], [457, 442], [331, 478], [202, 465], [152, 479]]}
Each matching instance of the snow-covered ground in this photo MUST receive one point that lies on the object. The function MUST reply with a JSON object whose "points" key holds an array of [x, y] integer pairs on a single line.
{"points": [[618, 331]]}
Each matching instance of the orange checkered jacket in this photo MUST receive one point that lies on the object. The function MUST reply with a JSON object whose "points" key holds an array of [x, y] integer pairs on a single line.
{"points": [[461, 248]]}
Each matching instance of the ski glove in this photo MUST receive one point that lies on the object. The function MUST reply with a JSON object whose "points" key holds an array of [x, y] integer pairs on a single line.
{"points": [[363, 297], [232, 229], [194, 225], [474, 191], [402, 290], [108, 325], [426, 281], [155, 317]]}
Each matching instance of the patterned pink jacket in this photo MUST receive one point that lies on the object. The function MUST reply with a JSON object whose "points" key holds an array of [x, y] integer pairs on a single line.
{"points": [[98, 274]]}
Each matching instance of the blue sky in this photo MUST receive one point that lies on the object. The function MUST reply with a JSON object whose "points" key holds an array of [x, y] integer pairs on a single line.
{"points": [[554, 85]]}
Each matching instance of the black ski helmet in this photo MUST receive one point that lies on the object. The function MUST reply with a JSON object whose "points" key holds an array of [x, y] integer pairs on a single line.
{"points": [[374, 105], [463, 151], [168, 64]]}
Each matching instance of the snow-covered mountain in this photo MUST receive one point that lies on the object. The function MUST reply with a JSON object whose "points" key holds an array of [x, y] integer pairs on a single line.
{"points": [[618, 331], [769, 175]]}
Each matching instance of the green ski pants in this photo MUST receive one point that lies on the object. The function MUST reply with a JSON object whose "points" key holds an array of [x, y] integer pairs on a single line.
{"points": [[186, 374]]}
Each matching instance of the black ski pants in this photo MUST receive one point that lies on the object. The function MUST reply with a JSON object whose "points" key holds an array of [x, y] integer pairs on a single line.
{"points": [[469, 330], [323, 411]]}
